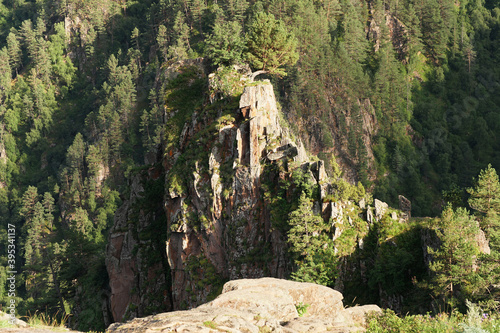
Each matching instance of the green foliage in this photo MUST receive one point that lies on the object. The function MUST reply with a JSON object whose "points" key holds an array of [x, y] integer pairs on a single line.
{"points": [[203, 273], [226, 43], [270, 45], [398, 262], [485, 196], [301, 308], [304, 183], [453, 261], [388, 321], [41, 320], [179, 48], [85, 105], [226, 82], [210, 324], [310, 245], [474, 321], [305, 228], [275, 195]]}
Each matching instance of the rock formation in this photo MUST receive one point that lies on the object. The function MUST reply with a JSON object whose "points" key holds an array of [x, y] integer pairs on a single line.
{"points": [[216, 221], [261, 305], [405, 207], [5, 317], [380, 209], [205, 212], [235, 223]]}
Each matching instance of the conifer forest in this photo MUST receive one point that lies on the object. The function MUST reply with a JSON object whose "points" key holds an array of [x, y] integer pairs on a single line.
{"points": [[400, 99]]}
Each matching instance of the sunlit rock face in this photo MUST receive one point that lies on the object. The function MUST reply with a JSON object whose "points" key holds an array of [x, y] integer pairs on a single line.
{"points": [[261, 305]]}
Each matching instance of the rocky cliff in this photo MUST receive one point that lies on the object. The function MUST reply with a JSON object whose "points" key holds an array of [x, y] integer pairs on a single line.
{"points": [[261, 305], [223, 162], [220, 226]]}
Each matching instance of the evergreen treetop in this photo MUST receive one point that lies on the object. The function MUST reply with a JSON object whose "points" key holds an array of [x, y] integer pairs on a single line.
{"points": [[270, 46], [485, 196]]}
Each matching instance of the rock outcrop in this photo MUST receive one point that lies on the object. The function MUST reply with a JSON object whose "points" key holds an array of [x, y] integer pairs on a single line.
{"points": [[261, 305], [235, 221], [482, 242], [206, 211], [380, 209]]}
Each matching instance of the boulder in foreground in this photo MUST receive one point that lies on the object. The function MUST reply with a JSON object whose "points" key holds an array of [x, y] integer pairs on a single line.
{"points": [[260, 305]]}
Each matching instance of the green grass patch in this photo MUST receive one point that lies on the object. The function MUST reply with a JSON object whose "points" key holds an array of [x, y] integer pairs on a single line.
{"points": [[5, 324], [301, 308], [43, 320], [473, 322], [210, 324]]}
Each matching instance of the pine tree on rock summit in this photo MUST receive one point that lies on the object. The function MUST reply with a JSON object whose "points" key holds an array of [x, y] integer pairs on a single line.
{"points": [[270, 45]]}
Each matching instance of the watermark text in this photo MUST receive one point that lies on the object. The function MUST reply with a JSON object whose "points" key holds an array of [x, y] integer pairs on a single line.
{"points": [[11, 272]]}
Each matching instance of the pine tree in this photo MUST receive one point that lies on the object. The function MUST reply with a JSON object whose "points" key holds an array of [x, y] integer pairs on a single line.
{"points": [[62, 66], [35, 227], [452, 263], [75, 155], [485, 196], [151, 125], [49, 207], [28, 36], [305, 228], [355, 41], [310, 245], [28, 201], [389, 85], [180, 42], [270, 45], [162, 40], [134, 54], [436, 20], [196, 9], [42, 283], [14, 50], [5, 74], [236, 9]]}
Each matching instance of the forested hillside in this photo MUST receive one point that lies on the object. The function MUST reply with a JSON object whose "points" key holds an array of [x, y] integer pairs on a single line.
{"points": [[400, 95]]}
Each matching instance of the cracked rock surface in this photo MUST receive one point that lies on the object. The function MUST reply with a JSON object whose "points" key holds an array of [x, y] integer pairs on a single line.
{"points": [[260, 305]]}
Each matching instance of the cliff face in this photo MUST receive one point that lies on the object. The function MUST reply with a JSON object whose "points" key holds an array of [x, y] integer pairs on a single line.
{"points": [[135, 254], [216, 223], [215, 205], [226, 197]]}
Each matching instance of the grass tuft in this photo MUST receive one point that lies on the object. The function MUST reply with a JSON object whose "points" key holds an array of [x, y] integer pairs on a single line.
{"points": [[43, 320]]}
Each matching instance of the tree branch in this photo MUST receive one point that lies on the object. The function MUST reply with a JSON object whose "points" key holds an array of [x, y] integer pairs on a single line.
{"points": [[255, 74]]}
